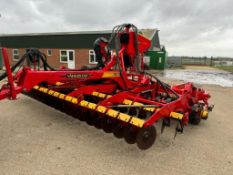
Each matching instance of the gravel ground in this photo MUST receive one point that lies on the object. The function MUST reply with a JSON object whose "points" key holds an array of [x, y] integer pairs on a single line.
{"points": [[37, 139]]}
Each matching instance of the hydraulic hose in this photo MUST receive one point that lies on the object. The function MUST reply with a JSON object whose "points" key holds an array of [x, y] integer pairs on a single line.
{"points": [[4, 75], [28, 56]]}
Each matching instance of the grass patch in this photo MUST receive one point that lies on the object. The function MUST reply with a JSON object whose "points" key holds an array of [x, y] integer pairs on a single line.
{"points": [[226, 68]]}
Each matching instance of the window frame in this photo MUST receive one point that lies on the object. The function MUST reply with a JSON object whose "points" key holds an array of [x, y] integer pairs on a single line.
{"points": [[13, 54], [92, 52], [49, 55], [66, 56]]}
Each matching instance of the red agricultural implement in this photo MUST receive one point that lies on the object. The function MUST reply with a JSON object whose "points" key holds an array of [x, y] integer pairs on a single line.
{"points": [[116, 95]]}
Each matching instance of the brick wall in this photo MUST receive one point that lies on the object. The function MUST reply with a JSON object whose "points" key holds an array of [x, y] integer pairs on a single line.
{"points": [[81, 57]]}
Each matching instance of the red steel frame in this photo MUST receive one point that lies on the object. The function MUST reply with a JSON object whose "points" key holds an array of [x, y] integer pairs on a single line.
{"points": [[112, 81]]}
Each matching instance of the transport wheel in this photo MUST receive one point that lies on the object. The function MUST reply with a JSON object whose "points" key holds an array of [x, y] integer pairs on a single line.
{"points": [[130, 134], [118, 130], [194, 118], [146, 137], [107, 125]]}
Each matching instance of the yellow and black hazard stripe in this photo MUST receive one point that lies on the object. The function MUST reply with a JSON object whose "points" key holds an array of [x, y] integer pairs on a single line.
{"points": [[92, 106]]}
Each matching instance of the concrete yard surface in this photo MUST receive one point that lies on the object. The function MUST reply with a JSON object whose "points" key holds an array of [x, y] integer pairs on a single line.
{"points": [[37, 139]]}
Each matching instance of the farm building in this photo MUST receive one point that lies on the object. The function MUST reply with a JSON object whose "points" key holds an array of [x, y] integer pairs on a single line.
{"points": [[70, 49]]}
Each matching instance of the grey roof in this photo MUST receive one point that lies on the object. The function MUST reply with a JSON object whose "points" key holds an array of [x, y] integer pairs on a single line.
{"points": [[57, 33], [81, 39]]}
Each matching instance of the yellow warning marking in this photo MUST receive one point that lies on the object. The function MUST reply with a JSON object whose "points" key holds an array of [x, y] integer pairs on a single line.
{"points": [[45, 90], [51, 92], [176, 115], [124, 117], [36, 87], [41, 89], [95, 93], [150, 109], [101, 109], [84, 103], [91, 105], [75, 100], [127, 102], [110, 74], [62, 96], [56, 94], [112, 113], [137, 122], [68, 98], [101, 95], [137, 104]]}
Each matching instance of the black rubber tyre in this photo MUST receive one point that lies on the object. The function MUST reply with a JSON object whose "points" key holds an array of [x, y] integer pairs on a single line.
{"points": [[146, 137], [130, 135], [194, 118], [118, 130]]}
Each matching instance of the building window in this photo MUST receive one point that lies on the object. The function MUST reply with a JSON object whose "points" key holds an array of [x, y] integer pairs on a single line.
{"points": [[92, 57], [63, 56], [16, 54], [49, 52]]}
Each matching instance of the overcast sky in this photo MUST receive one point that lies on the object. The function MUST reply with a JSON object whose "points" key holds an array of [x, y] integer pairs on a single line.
{"points": [[187, 27]]}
